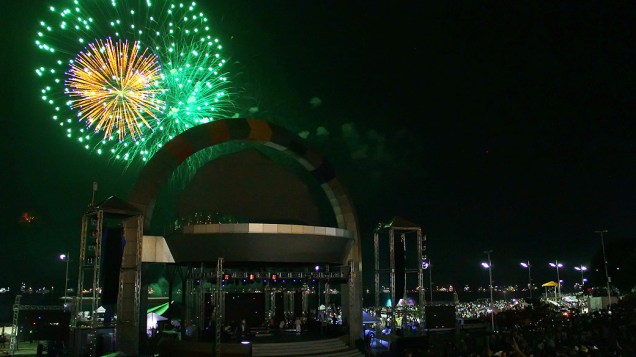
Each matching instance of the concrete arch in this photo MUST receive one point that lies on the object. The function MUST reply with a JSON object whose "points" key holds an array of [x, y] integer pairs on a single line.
{"points": [[158, 170]]}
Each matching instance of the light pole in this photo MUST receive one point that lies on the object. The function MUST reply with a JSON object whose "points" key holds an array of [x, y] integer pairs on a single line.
{"points": [[607, 277], [527, 265], [426, 265], [430, 280], [557, 265], [488, 266], [581, 268], [403, 239], [66, 258]]}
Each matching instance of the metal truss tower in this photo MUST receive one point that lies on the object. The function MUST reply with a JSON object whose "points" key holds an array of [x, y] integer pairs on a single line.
{"points": [[113, 213]]}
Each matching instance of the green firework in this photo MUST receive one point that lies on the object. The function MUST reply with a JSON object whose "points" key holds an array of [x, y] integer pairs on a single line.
{"points": [[195, 87]]}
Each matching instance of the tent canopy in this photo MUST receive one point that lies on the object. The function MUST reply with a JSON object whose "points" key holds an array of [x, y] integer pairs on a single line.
{"points": [[550, 284], [152, 319]]}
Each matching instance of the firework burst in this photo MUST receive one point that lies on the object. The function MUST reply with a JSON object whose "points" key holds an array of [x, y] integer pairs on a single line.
{"points": [[115, 87], [124, 77]]}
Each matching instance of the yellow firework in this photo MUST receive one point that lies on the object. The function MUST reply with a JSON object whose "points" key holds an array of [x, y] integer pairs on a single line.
{"points": [[115, 87]]}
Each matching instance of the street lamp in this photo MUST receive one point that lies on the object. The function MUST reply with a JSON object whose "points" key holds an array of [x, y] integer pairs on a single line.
{"points": [[66, 258], [527, 265], [488, 266], [426, 264], [557, 265], [581, 268], [607, 277]]}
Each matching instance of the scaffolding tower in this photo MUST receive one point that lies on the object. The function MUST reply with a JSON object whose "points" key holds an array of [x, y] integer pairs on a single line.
{"points": [[112, 213], [13, 344], [219, 307], [405, 229]]}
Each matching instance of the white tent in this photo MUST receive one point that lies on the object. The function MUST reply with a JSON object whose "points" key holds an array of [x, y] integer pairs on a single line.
{"points": [[152, 319]]}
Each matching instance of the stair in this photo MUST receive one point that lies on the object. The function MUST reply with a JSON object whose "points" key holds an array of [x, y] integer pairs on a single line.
{"points": [[331, 347]]}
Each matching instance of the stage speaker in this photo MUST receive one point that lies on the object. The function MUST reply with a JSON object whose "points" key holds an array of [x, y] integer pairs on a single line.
{"points": [[112, 249], [298, 303], [279, 313]]}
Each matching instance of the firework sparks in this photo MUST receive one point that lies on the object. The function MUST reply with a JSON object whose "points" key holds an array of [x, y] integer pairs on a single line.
{"points": [[162, 73], [115, 87]]}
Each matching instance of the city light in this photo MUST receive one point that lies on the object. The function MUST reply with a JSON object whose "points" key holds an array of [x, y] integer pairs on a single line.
{"points": [[488, 265], [607, 277], [528, 266], [65, 258], [557, 265], [581, 268]]}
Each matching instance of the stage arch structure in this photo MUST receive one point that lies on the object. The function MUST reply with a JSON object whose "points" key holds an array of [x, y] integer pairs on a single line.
{"points": [[259, 242]]}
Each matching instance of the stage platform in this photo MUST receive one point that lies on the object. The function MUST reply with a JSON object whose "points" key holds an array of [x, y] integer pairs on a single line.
{"points": [[278, 343]]}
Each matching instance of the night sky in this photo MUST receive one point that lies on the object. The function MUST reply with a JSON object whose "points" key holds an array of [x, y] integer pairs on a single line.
{"points": [[508, 128]]}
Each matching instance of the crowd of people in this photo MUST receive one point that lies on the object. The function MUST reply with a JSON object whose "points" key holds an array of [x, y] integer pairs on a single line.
{"points": [[521, 329], [541, 329], [482, 308], [331, 314], [545, 331]]}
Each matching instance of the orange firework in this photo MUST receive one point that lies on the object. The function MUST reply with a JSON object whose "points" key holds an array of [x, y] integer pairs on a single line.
{"points": [[114, 86]]}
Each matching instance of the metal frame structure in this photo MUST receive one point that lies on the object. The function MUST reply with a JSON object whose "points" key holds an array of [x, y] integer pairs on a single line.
{"points": [[403, 226], [89, 261], [17, 307], [89, 265], [324, 278], [219, 307], [194, 294], [13, 344]]}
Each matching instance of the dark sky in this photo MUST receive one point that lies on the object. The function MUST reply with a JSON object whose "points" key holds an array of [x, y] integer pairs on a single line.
{"points": [[507, 127]]}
